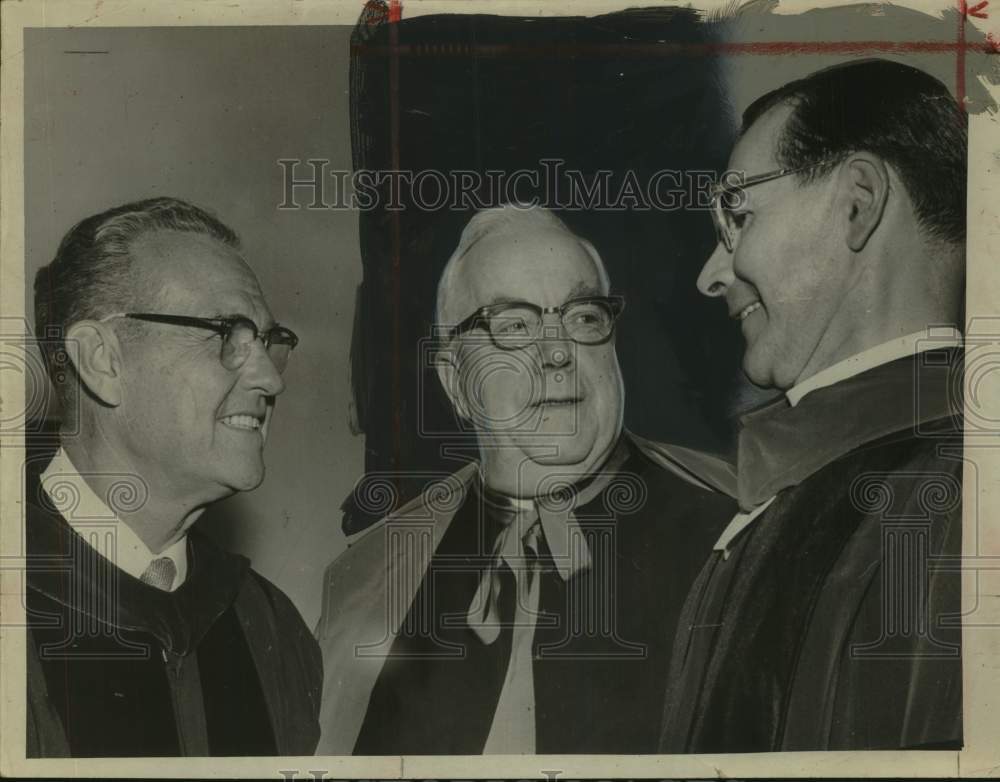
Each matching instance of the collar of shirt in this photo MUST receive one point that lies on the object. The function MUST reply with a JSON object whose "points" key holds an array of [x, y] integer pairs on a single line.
{"points": [[130, 553], [859, 400], [555, 510], [911, 344]]}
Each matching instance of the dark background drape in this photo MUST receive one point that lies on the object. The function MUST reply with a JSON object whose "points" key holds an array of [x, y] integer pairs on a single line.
{"points": [[634, 91]]}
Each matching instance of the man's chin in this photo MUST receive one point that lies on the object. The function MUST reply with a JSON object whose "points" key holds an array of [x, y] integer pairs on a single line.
{"points": [[559, 452], [247, 480], [760, 371]]}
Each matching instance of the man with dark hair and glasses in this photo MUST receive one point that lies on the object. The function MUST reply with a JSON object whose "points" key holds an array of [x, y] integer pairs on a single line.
{"points": [[144, 638], [828, 616], [527, 602]]}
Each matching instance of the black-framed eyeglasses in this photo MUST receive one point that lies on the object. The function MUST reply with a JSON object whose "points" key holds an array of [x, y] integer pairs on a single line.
{"points": [[588, 320], [238, 335], [727, 197]]}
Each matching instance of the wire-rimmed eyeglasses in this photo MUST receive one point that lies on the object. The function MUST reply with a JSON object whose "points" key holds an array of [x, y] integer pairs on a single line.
{"points": [[728, 196], [588, 320], [238, 335]]}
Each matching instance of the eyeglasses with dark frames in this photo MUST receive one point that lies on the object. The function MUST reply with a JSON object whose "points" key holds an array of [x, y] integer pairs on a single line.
{"points": [[728, 197], [587, 320], [238, 335]]}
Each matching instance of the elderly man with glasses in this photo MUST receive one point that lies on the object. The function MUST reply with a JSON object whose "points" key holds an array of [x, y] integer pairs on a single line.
{"points": [[144, 638], [828, 616], [526, 603]]}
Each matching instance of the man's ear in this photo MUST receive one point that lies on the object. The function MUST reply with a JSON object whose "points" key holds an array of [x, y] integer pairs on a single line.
{"points": [[867, 181], [446, 363], [95, 352]]}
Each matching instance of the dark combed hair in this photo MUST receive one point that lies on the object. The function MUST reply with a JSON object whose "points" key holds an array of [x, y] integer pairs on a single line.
{"points": [[899, 113], [91, 274]]}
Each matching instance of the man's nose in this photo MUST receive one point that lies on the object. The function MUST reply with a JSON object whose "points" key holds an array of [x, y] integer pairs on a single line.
{"points": [[260, 372], [717, 274], [555, 346]]}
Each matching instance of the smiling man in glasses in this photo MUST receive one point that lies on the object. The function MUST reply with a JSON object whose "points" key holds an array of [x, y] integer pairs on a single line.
{"points": [[527, 602], [144, 638], [824, 619]]}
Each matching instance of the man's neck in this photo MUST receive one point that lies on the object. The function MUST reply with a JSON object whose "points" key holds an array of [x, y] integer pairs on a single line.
{"points": [[910, 290], [157, 521]]}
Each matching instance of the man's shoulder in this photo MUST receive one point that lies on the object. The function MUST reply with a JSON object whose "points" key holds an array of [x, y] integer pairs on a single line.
{"points": [[936, 445], [288, 660], [38, 505], [701, 469], [259, 597], [428, 512], [404, 540], [281, 605]]}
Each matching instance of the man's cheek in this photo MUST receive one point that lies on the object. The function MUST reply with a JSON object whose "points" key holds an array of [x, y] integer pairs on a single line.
{"points": [[598, 376], [499, 388], [506, 400]]}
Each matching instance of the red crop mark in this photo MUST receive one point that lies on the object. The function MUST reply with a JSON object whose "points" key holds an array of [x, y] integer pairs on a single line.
{"points": [[976, 10], [990, 47], [374, 13], [964, 12], [639, 50]]}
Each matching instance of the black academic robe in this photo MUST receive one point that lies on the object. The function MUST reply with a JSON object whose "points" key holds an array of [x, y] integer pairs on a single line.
{"points": [[602, 642], [223, 665], [831, 623]]}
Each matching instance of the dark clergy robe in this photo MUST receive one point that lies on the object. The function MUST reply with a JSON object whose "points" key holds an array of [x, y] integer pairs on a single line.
{"points": [[223, 665], [602, 641], [832, 620]]}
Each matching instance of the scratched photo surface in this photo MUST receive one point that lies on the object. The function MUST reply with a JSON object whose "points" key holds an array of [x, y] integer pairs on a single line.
{"points": [[607, 369]]}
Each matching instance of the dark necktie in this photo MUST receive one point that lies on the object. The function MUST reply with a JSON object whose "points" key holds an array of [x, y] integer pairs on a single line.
{"points": [[524, 523]]}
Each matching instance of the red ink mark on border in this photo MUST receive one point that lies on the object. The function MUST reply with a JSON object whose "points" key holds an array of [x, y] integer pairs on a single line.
{"points": [[763, 48], [374, 13], [964, 12], [840, 47], [977, 10], [396, 10]]}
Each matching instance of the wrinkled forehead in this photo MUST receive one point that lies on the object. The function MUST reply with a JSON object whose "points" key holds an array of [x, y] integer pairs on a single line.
{"points": [[543, 266], [194, 274]]}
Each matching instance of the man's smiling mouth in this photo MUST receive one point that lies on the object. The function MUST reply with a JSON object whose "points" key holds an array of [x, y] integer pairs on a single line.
{"points": [[247, 422], [745, 312]]}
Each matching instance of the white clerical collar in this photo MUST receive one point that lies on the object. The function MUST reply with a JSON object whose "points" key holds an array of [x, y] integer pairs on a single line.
{"points": [[919, 341], [72, 496]]}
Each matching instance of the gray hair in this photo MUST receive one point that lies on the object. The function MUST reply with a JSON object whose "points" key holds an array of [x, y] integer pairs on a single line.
{"points": [[507, 219], [91, 275]]}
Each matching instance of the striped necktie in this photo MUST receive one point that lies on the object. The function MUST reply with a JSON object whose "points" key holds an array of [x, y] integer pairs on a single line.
{"points": [[513, 729], [160, 573], [524, 525]]}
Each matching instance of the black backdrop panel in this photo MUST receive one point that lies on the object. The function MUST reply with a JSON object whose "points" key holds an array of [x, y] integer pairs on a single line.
{"points": [[631, 93]]}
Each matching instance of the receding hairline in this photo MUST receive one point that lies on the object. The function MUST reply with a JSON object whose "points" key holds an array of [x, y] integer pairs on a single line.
{"points": [[152, 257], [157, 244], [509, 228]]}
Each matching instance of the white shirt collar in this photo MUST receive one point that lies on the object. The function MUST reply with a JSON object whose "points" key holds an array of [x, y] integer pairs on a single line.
{"points": [[90, 517], [919, 341]]}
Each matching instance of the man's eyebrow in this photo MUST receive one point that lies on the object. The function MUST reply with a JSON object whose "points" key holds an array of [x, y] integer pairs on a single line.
{"points": [[504, 300], [585, 289], [580, 290]]}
